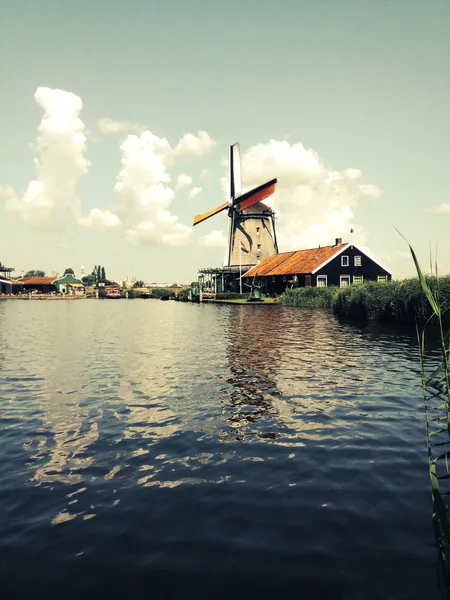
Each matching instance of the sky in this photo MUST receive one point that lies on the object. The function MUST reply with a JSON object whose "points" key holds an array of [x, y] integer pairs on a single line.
{"points": [[117, 117]]}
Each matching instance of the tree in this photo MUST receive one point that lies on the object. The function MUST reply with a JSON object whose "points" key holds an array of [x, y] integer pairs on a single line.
{"points": [[34, 273], [69, 272], [99, 273], [103, 274], [139, 284], [88, 279]]}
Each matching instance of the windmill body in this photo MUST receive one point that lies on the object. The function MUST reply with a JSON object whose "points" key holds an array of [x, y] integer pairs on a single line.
{"points": [[251, 236]]}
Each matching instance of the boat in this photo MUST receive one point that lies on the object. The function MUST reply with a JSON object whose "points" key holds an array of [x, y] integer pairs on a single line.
{"points": [[113, 294], [166, 297]]}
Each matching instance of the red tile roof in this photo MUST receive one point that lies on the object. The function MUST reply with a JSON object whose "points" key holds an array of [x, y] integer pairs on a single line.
{"points": [[36, 280], [291, 263]]}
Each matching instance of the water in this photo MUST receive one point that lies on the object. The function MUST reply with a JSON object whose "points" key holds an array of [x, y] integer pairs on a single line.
{"points": [[165, 450]]}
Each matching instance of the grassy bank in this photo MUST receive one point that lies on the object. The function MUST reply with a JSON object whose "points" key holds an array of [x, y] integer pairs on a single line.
{"points": [[398, 301]]}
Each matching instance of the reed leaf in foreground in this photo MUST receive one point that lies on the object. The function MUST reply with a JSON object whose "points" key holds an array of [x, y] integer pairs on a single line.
{"points": [[436, 394]]}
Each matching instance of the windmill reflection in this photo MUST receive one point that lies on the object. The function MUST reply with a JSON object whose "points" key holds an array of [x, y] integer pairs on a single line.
{"points": [[254, 340]]}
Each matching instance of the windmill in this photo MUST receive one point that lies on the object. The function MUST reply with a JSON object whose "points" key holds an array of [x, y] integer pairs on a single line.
{"points": [[251, 235]]}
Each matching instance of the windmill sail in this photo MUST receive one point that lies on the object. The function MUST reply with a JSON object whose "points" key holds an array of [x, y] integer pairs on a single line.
{"points": [[257, 195], [235, 171], [203, 216]]}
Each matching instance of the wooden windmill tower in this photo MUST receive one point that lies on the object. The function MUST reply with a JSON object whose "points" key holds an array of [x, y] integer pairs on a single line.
{"points": [[252, 235]]}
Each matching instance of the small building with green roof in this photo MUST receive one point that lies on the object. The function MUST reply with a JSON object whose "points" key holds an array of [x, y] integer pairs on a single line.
{"points": [[68, 283]]}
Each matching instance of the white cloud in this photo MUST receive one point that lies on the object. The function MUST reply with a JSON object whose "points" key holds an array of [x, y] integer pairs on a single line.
{"points": [[100, 220], [143, 193], [194, 192], [107, 125], [204, 175], [314, 204], [194, 145], [51, 199], [215, 239], [7, 192], [183, 181], [442, 209]]}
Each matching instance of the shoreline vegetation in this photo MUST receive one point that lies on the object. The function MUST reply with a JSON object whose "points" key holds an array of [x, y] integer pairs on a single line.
{"points": [[397, 301]]}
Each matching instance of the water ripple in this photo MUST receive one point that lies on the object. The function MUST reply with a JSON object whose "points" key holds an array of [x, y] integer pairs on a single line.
{"points": [[210, 449]]}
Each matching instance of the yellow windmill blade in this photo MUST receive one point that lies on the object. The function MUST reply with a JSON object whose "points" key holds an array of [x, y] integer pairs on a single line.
{"points": [[199, 218]]}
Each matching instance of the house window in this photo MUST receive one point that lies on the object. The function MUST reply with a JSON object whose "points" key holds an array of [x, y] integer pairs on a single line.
{"points": [[345, 280], [358, 278], [382, 278], [357, 261], [257, 231], [284, 277], [259, 248], [273, 279], [321, 281], [344, 261]]}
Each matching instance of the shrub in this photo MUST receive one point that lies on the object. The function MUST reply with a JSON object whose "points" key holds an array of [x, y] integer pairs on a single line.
{"points": [[158, 292], [309, 297]]}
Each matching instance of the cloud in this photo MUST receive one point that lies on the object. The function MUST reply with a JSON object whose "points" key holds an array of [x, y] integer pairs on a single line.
{"points": [[194, 145], [314, 204], [143, 192], [50, 200], [215, 239], [194, 192], [204, 175], [100, 220], [183, 181], [442, 209], [7, 192], [108, 126]]}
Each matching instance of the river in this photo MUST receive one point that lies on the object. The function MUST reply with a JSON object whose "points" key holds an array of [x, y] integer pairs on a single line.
{"points": [[166, 450]]}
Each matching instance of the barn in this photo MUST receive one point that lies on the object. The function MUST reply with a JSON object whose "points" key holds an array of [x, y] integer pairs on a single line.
{"points": [[341, 264]]}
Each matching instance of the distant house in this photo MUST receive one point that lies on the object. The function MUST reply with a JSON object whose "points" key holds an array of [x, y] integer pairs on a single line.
{"points": [[340, 265], [42, 285], [69, 284], [46, 285]]}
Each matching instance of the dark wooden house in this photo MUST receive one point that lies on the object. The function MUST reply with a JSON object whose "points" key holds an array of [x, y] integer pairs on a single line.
{"points": [[339, 265]]}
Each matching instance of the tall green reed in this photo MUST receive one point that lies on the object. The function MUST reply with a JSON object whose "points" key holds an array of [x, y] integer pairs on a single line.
{"points": [[436, 394]]}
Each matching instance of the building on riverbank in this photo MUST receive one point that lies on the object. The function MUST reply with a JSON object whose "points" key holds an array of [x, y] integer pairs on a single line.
{"points": [[339, 265], [6, 284], [47, 285]]}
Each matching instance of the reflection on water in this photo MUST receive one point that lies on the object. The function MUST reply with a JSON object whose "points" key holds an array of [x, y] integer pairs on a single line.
{"points": [[261, 446]]}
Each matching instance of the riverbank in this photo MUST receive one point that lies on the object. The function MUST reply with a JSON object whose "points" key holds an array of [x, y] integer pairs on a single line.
{"points": [[45, 297], [266, 301]]}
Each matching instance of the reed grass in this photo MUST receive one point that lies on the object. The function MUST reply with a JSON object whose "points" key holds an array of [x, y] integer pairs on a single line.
{"points": [[398, 301], [436, 395]]}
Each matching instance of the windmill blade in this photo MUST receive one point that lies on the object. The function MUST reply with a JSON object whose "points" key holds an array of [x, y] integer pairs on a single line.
{"points": [[235, 171], [199, 218], [257, 195]]}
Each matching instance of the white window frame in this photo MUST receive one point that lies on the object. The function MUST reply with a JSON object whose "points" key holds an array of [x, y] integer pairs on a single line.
{"points": [[323, 277], [359, 276], [345, 260], [382, 278], [341, 277], [359, 262]]}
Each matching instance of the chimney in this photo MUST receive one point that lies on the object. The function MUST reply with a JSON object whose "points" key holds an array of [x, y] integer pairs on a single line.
{"points": [[338, 241]]}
